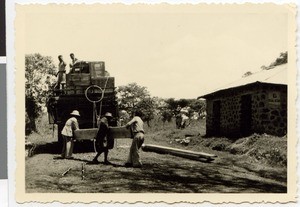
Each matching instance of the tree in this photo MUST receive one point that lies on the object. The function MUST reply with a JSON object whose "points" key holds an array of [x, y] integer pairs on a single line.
{"points": [[133, 97], [39, 76], [198, 105], [282, 59], [192, 105], [264, 67], [173, 104], [130, 95], [147, 107], [248, 73], [166, 115]]}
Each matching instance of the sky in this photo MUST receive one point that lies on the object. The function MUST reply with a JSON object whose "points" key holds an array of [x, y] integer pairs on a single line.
{"points": [[174, 53]]}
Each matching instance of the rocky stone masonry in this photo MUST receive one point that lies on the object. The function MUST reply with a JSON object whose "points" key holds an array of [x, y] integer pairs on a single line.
{"points": [[268, 115]]}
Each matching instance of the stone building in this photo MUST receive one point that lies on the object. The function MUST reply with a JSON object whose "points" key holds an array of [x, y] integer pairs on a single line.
{"points": [[254, 104]]}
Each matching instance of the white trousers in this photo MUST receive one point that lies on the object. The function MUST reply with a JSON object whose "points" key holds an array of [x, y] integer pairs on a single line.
{"points": [[134, 157]]}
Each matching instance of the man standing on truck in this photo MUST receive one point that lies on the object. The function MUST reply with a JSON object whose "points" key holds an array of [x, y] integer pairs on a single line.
{"points": [[68, 135], [103, 143], [74, 60], [61, 74], [137, 127]]}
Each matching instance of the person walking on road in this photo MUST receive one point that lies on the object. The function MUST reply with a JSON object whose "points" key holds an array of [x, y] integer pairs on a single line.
{"points": [[68, 135], [137, 127], [103, 143]]}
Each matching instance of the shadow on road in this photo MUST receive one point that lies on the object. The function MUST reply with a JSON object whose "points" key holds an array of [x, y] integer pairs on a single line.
{"points": [[56, 147], [175, 177], [167, 174]]}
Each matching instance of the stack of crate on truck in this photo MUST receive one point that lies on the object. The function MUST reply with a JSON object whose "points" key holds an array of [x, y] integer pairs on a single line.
{"points": [[90, 90]]}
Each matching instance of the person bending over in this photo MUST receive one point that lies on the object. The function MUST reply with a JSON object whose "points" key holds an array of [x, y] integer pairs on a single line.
{"points": [[137, 127], [68, 135]]}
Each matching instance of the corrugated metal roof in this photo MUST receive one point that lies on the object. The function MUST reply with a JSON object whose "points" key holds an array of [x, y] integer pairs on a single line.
{"points": [[276, 75]]}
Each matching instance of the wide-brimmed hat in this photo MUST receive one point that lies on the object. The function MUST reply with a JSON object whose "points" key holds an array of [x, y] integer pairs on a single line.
{"points": [[75, 113], [107, 114]]}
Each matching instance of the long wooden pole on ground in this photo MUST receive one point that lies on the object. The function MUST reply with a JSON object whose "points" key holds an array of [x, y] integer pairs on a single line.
{"points": [[124, 133], [178, 152]]}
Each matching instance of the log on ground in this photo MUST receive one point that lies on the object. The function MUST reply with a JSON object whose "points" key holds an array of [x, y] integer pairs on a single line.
{"points": [[178, 152]]}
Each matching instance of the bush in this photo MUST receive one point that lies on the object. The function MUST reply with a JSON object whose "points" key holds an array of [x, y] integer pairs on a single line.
{"points": [[219, 147]]}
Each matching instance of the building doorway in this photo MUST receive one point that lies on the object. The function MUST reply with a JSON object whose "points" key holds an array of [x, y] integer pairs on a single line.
{"points": [[246, 115], [216, 118]]}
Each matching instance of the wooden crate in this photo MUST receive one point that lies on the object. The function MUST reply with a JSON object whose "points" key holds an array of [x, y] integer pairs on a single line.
{"points": [[109, 82], [79, 79], [120, 132], [85, 134], [114, 132], [75, 89], [97, 69], [70, 91]]}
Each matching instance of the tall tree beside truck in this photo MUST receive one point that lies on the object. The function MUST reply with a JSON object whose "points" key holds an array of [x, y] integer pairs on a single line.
{"points": [[39, 77]]}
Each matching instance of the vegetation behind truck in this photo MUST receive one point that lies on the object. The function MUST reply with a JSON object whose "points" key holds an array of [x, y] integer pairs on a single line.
{"points": [[90, 90]]}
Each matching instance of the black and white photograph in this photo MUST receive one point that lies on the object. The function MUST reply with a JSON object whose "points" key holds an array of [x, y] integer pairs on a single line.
{"points": [[173, 103]]}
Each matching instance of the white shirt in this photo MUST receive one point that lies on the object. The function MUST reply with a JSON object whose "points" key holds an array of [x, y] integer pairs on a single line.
{"points": [[70, 126], [136, 124]]}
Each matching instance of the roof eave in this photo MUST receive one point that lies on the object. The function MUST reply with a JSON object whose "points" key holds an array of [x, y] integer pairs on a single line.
{"points": [[227, 89]]}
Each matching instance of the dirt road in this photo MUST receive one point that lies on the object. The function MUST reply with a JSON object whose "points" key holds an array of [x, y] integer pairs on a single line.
{"points": [[159, 174]]}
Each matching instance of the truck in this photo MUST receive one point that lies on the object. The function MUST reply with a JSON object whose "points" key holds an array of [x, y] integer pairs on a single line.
{"points": [[90, 90]]}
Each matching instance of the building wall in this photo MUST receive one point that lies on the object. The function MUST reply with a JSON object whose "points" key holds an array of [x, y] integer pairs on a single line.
{"points": [[268, 111], [229, 117]]}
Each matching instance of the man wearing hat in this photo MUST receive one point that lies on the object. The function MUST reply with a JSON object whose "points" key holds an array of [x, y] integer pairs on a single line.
{"points": [[67, 134], [103, 143]]}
